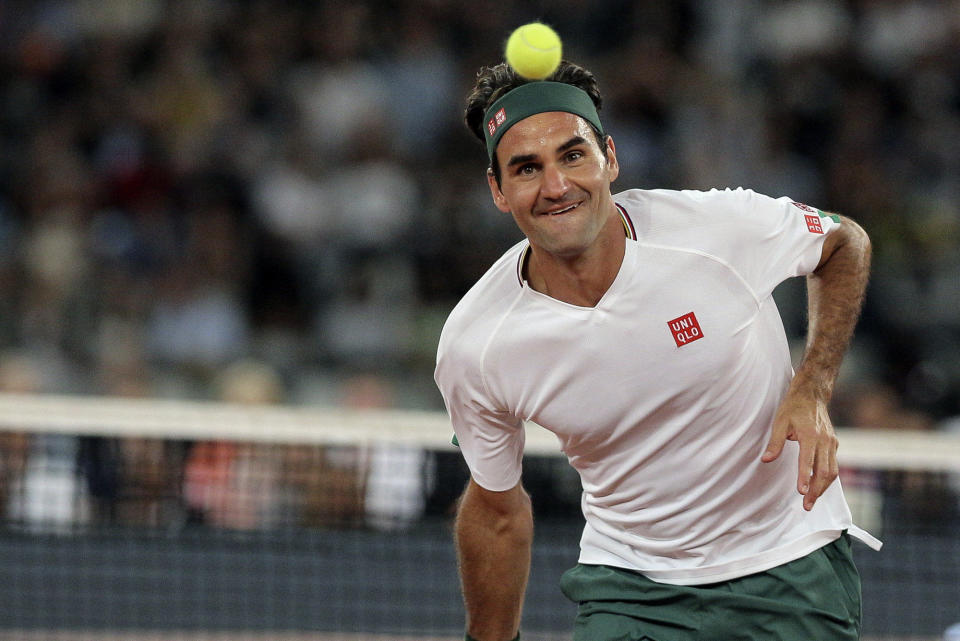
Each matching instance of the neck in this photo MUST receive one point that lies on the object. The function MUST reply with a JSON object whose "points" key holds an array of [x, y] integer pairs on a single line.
{"points": [[582, 279]]}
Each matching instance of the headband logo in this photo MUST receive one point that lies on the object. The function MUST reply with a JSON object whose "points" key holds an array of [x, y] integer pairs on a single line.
{"points": [[498, 119]]}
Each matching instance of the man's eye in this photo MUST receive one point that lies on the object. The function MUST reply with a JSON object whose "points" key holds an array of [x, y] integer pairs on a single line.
{"points": [[526, 170], [574, 156]]}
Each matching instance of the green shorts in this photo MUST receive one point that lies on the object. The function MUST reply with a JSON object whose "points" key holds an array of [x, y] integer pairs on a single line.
{"points": [[816, 597]]}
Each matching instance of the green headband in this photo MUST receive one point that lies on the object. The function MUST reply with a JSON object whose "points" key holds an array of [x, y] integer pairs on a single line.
{"points": [[534, 98]]}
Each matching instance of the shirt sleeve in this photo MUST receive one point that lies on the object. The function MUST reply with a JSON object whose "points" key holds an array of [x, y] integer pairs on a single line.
{"points": [[772, 239], [491, 439]]}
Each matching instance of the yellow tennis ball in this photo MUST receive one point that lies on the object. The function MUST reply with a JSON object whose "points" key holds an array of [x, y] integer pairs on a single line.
{"points": [[534, 50]]}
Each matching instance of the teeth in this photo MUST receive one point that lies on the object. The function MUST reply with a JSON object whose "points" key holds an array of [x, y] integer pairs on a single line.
{"points": [[562, 211]]}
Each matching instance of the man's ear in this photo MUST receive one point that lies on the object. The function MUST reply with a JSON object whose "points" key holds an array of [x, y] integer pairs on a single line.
{"points": [[613, 167], [498, 198]]}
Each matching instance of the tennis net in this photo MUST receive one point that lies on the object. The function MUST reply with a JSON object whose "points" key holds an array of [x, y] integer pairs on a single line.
{"points": [[152, 520]]}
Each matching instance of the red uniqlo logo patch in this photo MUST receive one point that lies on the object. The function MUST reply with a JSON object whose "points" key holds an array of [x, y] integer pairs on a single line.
{"points": [[498, 119], [685, 329], [813, 224]]}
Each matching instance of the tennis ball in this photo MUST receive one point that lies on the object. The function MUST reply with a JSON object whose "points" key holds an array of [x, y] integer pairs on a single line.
{"points": [[534, 50]]}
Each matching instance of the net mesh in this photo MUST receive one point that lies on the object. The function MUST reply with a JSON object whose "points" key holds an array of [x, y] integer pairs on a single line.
{"points": [[166, 520]]}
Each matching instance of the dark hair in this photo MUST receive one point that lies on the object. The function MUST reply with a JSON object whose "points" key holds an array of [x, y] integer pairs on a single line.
{"points": [[494, 82]]}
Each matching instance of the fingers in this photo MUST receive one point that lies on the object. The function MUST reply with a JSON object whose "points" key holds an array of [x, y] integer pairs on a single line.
{"points": [[809, 425], [817, 466], [778, 436], [824, 470], [808, 456]]}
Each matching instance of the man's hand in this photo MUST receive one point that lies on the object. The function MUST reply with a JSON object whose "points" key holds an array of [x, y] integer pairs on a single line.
{"points": [[803, 418]]}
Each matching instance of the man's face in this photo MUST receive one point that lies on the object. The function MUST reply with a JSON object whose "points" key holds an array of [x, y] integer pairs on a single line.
{"points": [[555, 181]]}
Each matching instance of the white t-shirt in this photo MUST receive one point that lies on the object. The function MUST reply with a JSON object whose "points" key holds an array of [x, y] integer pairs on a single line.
{"points": [[662, 395]]}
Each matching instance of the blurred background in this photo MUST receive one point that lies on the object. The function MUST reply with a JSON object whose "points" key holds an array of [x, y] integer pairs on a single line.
{"points": [[276, 202], [185, 185]]}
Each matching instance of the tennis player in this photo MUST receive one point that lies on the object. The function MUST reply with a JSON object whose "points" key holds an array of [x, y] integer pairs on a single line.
{"points": [[640, 328]]}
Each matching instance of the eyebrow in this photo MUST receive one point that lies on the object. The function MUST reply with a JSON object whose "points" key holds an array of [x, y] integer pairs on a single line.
{"points": [[573, 142], [521, 159]]}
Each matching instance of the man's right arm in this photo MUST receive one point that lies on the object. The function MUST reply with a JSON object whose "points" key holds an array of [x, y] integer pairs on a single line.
{"points": [[494, 534]]}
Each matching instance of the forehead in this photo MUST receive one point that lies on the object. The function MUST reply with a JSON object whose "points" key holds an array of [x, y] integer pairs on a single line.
{"points": [[544, 131]]}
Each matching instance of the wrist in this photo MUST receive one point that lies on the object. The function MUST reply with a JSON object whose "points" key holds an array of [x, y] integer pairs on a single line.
{"points": [[814, 382], [467, 637]]}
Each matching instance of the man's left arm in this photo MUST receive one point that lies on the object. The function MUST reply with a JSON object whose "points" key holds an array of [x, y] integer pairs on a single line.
{"points": [[835, 292]]}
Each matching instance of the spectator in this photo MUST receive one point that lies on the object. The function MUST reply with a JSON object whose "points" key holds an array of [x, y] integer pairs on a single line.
{"points": [[232, 484], [44, 493]]}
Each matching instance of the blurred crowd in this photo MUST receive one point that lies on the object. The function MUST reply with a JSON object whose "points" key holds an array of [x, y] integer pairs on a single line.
{"points": [[186, 185], [62, 483]]}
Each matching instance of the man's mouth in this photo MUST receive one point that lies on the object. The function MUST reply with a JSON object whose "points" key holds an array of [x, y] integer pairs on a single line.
{"points": [[561, 210]]}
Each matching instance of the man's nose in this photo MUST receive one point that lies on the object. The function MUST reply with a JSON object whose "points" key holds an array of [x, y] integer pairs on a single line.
{"points": [[555, 182]]}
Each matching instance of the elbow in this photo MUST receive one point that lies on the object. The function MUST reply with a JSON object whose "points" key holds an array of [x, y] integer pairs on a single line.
{"points": [[506, 514], [858, 238], [516, 523], [519, 524]]}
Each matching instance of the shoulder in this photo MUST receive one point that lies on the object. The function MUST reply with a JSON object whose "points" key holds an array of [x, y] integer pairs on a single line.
{"points": [[712, 202], [473, 318], [693, 213]]}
